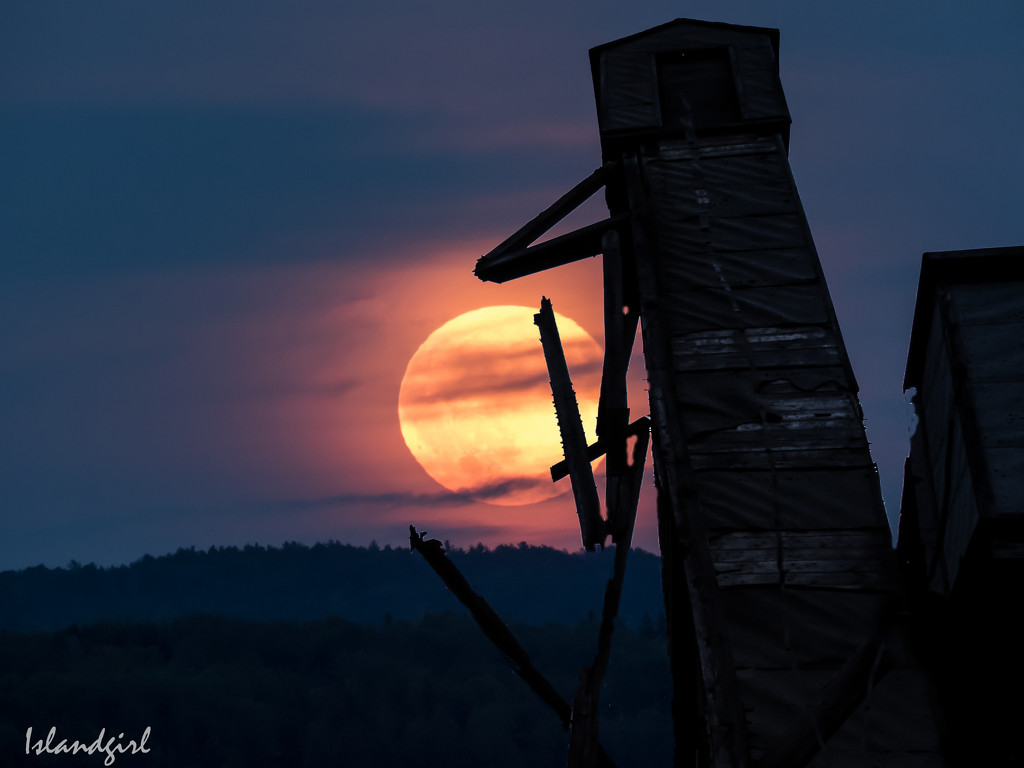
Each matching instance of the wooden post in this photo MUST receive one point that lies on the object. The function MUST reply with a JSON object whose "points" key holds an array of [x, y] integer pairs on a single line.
{"points": [[613, 407], [583, 734]]}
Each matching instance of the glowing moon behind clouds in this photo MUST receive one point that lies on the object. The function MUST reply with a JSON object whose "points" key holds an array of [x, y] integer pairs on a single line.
{"points": [[475, 404]]}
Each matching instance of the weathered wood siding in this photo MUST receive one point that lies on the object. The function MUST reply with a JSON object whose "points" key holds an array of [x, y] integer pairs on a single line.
{"points": [[967, 453], [962, 515], [762, 463], [635, 78]]}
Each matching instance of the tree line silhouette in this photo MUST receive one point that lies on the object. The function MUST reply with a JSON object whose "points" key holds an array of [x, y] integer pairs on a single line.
{"points": [[296, 582], [323, 655]]}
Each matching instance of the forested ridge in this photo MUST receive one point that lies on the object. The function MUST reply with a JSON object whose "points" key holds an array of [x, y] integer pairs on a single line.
{"points": [[296, 582]]}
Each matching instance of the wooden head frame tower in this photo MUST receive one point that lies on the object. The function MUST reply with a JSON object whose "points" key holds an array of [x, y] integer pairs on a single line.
{"points": [[781, 596]]}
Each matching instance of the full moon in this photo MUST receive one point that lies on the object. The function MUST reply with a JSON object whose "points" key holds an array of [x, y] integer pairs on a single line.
{"points": [[475, 404]]}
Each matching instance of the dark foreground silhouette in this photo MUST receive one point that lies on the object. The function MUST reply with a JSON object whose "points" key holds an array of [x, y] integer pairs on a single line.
{"points": [[227, 692]]}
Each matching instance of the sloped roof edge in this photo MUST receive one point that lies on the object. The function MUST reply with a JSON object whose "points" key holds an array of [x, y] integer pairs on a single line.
{"points": [[596, 51], [973, 265], [773, 34]]}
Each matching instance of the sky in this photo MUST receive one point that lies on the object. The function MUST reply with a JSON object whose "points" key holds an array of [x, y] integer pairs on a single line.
{"points": [[226, 227]]}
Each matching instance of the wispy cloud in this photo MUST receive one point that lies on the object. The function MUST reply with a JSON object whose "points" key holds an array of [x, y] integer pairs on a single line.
{"points": [[462, 497], [472, 385]]}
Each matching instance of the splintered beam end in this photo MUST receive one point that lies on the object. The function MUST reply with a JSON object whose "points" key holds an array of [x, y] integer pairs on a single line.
{"points": [[570, 427]]}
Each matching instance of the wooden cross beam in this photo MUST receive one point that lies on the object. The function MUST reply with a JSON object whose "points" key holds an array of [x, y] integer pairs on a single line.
{"points": [[515, 257]]}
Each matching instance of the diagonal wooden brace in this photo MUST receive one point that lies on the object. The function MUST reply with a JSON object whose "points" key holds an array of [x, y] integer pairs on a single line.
{"points": [[496, 631], [514, 258]]}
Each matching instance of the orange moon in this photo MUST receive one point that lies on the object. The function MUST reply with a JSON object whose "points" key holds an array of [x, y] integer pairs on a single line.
{"points": [[475, 404]]}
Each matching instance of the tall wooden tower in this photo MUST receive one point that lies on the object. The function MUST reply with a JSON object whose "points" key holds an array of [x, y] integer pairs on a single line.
{"points": [[785, 635]]}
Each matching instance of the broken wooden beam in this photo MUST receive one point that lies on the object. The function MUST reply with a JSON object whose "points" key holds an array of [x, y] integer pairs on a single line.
{"points": [[496, 630], [570, 426]]}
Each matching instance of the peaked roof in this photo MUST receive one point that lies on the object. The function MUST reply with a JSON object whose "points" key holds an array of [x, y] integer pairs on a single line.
{"points": [[695, 25], [684, 28]]}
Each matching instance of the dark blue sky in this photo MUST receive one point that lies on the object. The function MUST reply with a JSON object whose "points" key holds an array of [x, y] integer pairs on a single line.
{"points": [[226, 226]]}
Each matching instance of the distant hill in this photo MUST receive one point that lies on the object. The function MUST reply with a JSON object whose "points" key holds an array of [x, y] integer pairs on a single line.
{"points": [[295, 582]]}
